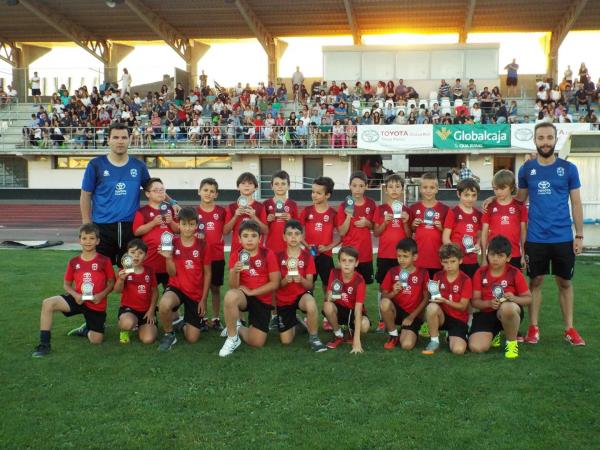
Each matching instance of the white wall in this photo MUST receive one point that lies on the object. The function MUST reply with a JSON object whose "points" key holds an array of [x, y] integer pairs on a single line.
{"points": [[337, 170]]}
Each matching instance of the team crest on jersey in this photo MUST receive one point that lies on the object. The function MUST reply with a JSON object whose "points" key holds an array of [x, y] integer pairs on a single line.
{"points": [[87, 276], [560, 171], [442, 286], [216, 216], [106, 173], [455, 288], [512, 210], [195, 253], [415, 280], [77, 267], [460, 217], [141, 289], [484, 281], [129, 278], [367, 210], [151, 214], [504, 283], [504, 220], [258, 263], [286, 209], [533, 172], [189, 264], [253, 272], [469, 228], [178, 252], [283, 262], [210, 226], [475, 219], [147, 278], [350, 290], [94, 266], [310, 217], [318, 226], [326, 218], [133, 172], [301, 263]]}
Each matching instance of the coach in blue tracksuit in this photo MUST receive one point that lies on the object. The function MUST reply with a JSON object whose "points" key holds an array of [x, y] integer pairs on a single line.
{"points": [[110, 193]]}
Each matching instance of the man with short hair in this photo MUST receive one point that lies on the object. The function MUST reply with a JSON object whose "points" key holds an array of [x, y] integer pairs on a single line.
{"points": [[465, 172], [297, 77], [36, 91]]}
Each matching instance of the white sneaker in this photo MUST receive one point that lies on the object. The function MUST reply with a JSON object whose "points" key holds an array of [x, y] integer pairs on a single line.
{"points": [[237, 327], [231, 343]]}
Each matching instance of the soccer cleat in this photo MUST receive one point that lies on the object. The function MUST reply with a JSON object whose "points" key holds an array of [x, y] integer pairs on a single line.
{"points": [[317, 346], [216, 325], [511, 350], [326, 325], [167, 342], [80, 331], [533, 335], [497, 341], [179, 325], [204, 327], [424, 330], [431, 348], [229, 346], [124, 337], [380, 327], [572, 336], [336, 342], [391, 343], [178, 321], [41, 350], [274, 324], [237, 327]]}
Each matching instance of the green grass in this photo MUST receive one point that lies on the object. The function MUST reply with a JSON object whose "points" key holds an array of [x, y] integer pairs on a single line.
{"points": [[84, 396]]}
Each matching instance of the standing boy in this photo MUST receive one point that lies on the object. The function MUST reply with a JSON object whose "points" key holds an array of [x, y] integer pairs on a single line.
{"points": [[279, 210]]}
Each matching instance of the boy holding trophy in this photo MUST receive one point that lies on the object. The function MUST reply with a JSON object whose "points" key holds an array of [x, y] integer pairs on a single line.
{"points": [[88, 280], [279, 210]]}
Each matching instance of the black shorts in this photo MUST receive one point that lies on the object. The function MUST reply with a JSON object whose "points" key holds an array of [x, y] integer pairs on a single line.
{"points": [[383, 266], [94, 320], [190, 308], [217, 272], [114, 238], [512, 81], [366, 270], [259, 313], [455, 327], [515, 262], [286, 315], [324, 265], [345, 316], [432, 272], [163, 279], [36, 91], [539, 256], [140, 315], [401, 315], [489, 322], [469, 269]]}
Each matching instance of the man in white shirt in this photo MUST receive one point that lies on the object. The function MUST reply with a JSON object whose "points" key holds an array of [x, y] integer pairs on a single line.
{"points": [[36, 91], [297, 77]]}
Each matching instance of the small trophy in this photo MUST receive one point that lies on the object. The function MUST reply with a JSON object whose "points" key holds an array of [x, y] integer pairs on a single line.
{"points": [[127, 263], [403, 278], [434, 289], [245, 259], [397, 209], [243, 202], [163, 208], [349, 205], [336, 290], [292, 266], [166, 242], [498, 292], [87, 291], [429, 216], [469, 244], [279, 208]]}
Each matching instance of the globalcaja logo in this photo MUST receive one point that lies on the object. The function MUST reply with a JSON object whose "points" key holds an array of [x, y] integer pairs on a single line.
{"points": [[444, 133], [370, 136]]}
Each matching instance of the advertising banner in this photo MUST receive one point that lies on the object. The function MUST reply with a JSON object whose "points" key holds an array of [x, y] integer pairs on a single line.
{"points": [[395, 137], [456, 137]]}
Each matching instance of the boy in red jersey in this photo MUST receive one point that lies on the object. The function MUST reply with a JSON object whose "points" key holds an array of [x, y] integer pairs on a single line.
{"points": [[499, 292], [211, 220], [319, 224], [189, 269], [463, 225], [392, 224], [345, 303], [404, 296], [450, 309], [354, 220], [297, 272], [88, 280], [253, 277], [428, 218], [246, 208], [150, 222], [279, 210], [139, 294], [505, 216]]}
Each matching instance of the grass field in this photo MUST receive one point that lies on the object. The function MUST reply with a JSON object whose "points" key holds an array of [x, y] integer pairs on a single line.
{"points": [[85, 396]]}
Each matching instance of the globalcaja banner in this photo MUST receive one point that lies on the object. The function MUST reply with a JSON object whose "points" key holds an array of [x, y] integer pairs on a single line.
{"points": [[522, 134], [394, 137], [471, 136]]}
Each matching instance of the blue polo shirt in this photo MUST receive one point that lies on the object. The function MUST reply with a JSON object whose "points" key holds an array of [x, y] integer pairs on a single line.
{"points": [[115, 190], [549, 189]]}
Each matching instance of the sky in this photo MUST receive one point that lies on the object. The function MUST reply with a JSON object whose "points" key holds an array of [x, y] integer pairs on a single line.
{"points": [[229, 62]]}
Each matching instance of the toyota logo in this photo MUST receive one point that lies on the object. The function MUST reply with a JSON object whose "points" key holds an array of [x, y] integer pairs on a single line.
{"points": [[120, 186], [544, 184], [370, 136]]}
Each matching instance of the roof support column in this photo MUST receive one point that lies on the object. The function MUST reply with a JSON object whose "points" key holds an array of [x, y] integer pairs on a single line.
{"points": [[116, 54], [198, 50], [24, 56]]}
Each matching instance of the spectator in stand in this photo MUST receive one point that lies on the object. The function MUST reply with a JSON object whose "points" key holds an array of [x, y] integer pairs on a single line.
{"points": [[36, 91], [465, 172], [3, 96], [485, 99], [297, 77], [457, 90], [502, 113], [542, 94], [11, 93], [282, 93], [380, 90], [368, 91], [401, 90], [569, 75], [590, 117], [125, 82], [358, 91], [472, 90], [390, 91], [581, 98], [583, 73], [512, 77], [512, 112], [443, 90], [555, 94], [412, 93], [179, 94]]}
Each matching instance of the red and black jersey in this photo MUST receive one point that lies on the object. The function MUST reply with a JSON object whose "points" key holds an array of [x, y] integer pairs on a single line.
{"points": [[428, 237], [359, 238], [274, 239], [260, 213], [213, 222], [287, 294], [511, 280], [318, 227], [506, 220], [411, 295], [261, 265], [393, 233], [96, 271], [137, 290], [353, 291], [454, 291], [463, 224], [189, 267], [143, 216]]}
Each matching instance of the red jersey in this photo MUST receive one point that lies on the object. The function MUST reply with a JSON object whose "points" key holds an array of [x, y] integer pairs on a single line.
{"points": [[428, 237], [152, 238], [189, 267], [511, 280], [137, 290], [464, 224], [393, 233], [275, 237], [318, 227], [359, 238], [213, 230], [353, 291], [454, 291], [97, 271], [506, 220], [288, 294], [261, 265], [410, 296], [261, 215]]}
